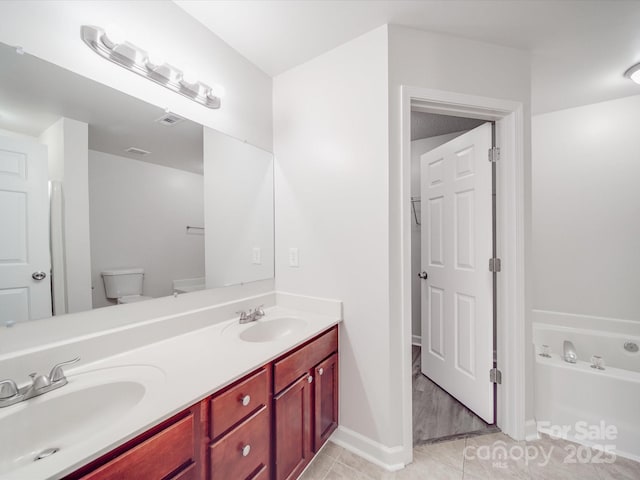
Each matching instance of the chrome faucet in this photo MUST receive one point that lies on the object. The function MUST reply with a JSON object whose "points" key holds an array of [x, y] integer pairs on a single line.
{"points": [[10, 394], [570, 355], [251, 315]]}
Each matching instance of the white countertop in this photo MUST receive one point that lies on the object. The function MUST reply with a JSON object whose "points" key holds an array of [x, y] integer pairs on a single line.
{"points": [[193, 365]]}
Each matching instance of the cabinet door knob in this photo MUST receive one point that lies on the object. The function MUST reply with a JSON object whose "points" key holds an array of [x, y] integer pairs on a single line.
{"points": [[245, 400], [320, 371], [245, 450], [309, 379]]}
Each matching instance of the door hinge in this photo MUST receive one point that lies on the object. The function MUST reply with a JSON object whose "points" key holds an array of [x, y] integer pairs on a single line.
{"points": [[495, 265], [494, 154], [495, 376]]}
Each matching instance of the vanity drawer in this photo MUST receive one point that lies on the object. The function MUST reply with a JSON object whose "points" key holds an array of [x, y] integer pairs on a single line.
{"points": [[156, 457], [189, 473], [229, 461], [234, 404], [294, 365]]}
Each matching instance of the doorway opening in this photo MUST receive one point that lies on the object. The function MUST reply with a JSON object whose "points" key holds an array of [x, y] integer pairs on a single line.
{"points": [[453, 294], [511, 215]]}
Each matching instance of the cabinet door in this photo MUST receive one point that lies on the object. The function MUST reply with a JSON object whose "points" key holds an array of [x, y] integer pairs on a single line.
{"points": [[326, 400], [168, 451], [293, 428]]}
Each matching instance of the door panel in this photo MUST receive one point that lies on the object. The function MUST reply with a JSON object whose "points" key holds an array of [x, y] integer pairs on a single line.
{"points": [[457, 296], [24, 236], [326, 400], [292, 410]]}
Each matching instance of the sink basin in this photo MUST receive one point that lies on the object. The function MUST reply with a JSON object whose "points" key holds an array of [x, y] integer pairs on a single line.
{"points": [[88, 405], [270, 330]]}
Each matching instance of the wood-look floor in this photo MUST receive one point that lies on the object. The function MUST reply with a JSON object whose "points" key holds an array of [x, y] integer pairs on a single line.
{"points": [[547, 459], [437, 416]]}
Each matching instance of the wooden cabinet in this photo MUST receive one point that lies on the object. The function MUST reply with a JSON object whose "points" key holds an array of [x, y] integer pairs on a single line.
{"points": [[238, 401], [326, 400], [244, 451], [168, 451], [265, 426], [293, 427], [306, 411]]}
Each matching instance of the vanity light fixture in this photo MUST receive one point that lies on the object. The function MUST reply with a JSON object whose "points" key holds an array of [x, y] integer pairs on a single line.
{"points": [[111, 43], [634, 73]]}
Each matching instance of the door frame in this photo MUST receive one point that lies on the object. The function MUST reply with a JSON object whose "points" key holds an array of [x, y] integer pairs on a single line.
{"points": [[510, 239]]}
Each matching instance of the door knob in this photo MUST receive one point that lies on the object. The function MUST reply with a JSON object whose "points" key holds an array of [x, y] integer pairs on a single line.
{"points": [[423, 275], [38, 275]]}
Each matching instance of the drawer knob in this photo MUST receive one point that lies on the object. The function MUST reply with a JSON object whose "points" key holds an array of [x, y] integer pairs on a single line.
{"points": [[245, 450], [245, 400], [309, 379], [320, 371]]}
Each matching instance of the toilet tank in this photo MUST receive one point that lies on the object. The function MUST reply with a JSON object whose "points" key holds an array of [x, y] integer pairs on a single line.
{"points": [[121, 282]]}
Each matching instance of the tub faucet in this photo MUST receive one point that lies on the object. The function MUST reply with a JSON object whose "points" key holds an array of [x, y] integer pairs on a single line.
{"points": [[570, 355]]}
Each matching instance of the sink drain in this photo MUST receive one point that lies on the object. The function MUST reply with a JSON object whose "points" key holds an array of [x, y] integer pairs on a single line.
{"points": [[45, 453]]}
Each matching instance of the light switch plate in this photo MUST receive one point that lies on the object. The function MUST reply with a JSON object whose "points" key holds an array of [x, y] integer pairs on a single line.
{"points": [[257, 256], [294, 257]]}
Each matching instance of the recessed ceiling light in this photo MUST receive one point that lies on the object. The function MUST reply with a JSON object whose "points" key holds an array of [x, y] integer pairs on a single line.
{"points": [[634, 73]]}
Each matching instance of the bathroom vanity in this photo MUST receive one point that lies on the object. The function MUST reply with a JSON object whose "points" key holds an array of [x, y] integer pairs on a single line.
{"points": [[266, 425], [214, 400]]}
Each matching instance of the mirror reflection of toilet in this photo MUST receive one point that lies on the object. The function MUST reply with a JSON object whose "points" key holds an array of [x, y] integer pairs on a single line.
{"points": [[124, 284]]}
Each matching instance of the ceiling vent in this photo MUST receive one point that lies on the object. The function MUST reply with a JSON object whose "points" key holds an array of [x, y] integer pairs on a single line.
{"points": [[137, 151], [169, 119]]}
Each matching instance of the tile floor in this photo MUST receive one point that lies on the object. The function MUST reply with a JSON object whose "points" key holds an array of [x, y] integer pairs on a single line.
{"points": [[446, 461], [436, 414]]}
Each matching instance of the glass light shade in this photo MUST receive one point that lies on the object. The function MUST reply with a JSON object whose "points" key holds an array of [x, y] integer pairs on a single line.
{"points": [[217, 91], [154, 60], [113, 36], [189, 78]]}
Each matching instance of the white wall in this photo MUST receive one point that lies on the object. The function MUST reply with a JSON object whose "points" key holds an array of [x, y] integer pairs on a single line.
{"points": [[586, 210], [51, 31], [68, 145], [9, 133], [331, 150], [139, 214], [429, 60], [238, 211], [418, 148]]}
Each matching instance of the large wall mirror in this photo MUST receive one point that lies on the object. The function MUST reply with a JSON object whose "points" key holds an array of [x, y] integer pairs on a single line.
{"points": [[105, 199]]}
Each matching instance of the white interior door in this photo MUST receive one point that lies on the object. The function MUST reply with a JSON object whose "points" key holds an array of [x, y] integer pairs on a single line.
{"points": [[457, 301], [25, 294]]}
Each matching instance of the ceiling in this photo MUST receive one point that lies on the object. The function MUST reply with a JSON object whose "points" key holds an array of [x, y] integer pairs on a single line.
{"points": [[580, 49], [34, 94], [425, 125]]}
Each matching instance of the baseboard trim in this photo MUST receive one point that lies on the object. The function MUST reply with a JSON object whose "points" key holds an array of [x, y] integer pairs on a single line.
{"points": [[389, 458], [531, 430], [416, 340]]}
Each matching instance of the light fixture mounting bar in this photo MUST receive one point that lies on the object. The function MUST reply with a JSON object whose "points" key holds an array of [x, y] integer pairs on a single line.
{"points": [[136, 60]]}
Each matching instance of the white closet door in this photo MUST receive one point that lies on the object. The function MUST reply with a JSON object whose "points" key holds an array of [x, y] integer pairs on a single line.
{"points": [[457, 300]]}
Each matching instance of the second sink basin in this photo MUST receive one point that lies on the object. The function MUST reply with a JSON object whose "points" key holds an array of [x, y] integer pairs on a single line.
{"points": [[270, 330]]}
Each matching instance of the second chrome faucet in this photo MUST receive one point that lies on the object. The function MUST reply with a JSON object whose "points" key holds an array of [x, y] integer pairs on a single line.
{"points": [[251, 315]]}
